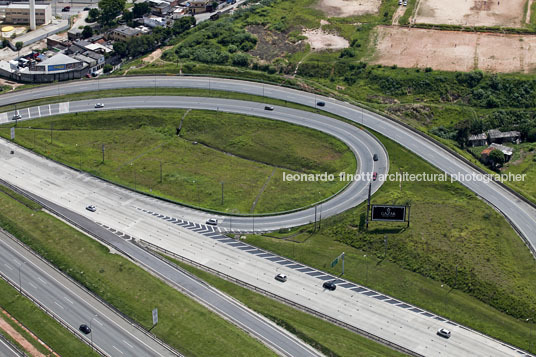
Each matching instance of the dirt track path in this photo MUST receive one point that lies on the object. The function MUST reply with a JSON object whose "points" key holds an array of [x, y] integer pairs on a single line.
{"points": [[398, 14], [28, 347], [527, 19]]}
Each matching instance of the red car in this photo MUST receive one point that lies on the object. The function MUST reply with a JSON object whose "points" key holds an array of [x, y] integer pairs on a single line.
{"points": [[374, 176]]}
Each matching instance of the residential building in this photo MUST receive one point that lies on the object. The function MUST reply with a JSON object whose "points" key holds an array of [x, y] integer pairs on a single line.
{"points": [[123, 33], [154, 21], [478, 139], [496, 136], [199, 6]]}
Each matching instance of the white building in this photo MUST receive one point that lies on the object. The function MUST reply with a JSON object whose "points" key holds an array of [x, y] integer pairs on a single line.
{"points": [[154, 21], [19, 13]]}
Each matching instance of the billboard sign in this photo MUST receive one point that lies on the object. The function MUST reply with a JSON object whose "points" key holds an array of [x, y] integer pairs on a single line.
{"points": [[389, 213]]}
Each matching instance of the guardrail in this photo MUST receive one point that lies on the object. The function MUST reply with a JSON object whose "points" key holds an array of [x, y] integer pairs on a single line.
{"points": [[13, 347], [286, 301], [52, 314], [98, 298], [316, 313]]}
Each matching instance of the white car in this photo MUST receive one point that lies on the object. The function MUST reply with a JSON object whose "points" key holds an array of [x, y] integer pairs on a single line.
{"points": [[281, 277], [443, 332], [17, 116], [99, 105], [405, 3], [212, 222], [91, 208]]}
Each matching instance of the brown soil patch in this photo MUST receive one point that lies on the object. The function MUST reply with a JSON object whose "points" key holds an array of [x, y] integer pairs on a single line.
{"points": [[271, 45], [153, 56], [28, 347], [320, 40], [398, 14], [471, 12], [454, 50], [345, 8]]}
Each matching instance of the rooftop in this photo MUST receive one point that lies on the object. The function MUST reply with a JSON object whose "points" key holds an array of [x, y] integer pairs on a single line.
{"points": [[59, 58], [494, 133]]}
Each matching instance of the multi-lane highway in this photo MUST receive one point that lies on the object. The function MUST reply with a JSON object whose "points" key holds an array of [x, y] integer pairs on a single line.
{"points": [[111, 333], [7, 350], [158, 222], [362, 144], [520, 214]]}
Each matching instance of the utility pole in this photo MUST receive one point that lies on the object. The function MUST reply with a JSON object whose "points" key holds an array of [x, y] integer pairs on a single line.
{"points": [[385, 243], [51, 125], [160, 171], [103, 153], [320, 218], [368, 205], [316, 207], [222, 193]]}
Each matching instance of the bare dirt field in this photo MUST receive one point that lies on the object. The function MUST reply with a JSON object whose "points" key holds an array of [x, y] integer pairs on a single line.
{"points": [[508, 13], [454, 50], [320, 40], [345, 8]]}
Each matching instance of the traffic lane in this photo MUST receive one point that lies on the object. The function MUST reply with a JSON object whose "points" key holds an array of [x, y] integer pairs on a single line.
{"points": [[360, 144], [265, 330], [394, 323], [7, 351], [72, 308]]}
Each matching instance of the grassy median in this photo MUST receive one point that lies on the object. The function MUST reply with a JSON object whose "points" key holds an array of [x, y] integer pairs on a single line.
{"points": [[458, 258], [221, 161], [330, 339], [184, 324]]}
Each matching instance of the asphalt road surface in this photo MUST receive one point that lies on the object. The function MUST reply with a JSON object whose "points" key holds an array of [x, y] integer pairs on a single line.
{"points": [[8, 351], [362, 144], [73, 305], [156, 221], [519, 213], [269, 333]]}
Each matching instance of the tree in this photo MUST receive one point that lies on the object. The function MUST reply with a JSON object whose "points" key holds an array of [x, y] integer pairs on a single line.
{"points": [[531, 136], [140, 9], [87, 32], [240, 59], [497, 157], [183, 24], [18, 46], [107, 68], [5, 42], [93, 15], [120, 48], [110, 9]]}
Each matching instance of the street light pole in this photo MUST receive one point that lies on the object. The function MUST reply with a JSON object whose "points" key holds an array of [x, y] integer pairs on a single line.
{"points": [[20, 280], [530, 333], [160, 171], [366, 265], [222, 193], [91, 329]]}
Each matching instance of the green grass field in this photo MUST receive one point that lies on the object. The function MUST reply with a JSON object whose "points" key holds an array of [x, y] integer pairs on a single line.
{"points": [[140, 142], [454, 241], [135, 292], [330, 339], [42, 325]]}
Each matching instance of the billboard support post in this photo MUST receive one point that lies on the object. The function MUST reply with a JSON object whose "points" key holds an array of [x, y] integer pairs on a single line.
{"points": [[409, 210]]}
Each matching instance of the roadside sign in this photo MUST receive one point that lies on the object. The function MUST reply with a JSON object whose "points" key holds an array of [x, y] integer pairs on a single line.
{"points": [[155, 316], [333, 263]]}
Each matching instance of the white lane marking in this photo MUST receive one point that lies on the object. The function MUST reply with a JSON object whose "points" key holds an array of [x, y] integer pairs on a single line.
{"points": [[8, 266], [66, 298], [128, 344], [55, 302], [33, 285], [41, 280], [29, 115], [118, 349], [39, 110], [97, 322], [49, 110]]}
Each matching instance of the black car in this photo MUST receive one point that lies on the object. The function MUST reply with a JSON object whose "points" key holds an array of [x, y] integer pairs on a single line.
{"points": [[330, 285], [66, 9], [85, 329], [375, 157], [321, 104], [268, 107], [87, 9]]}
